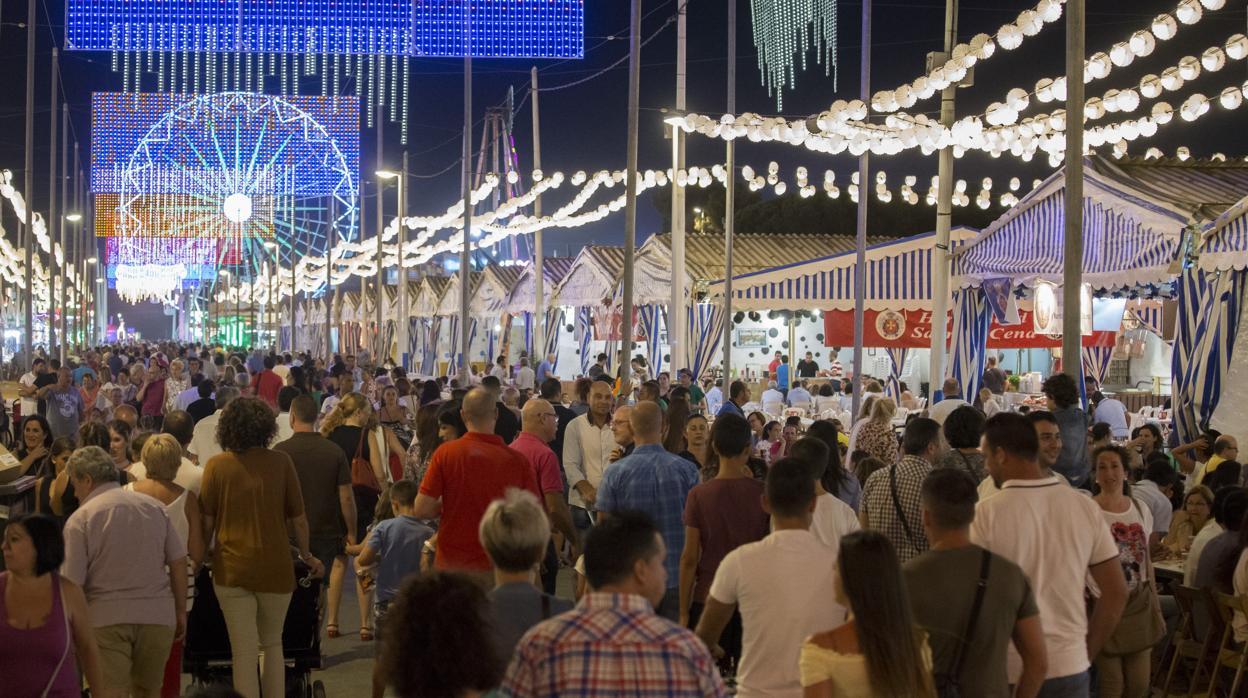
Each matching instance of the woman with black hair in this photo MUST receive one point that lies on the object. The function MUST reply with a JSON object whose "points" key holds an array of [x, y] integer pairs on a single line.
{"points": [[45, 633], [32, 448], [838, 481], [430, 392], [963, 429], [439, 644], [879, 652]]}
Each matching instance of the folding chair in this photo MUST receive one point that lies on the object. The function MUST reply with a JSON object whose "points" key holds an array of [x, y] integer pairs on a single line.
{"points": [[1187, 643], [1228, 656]]}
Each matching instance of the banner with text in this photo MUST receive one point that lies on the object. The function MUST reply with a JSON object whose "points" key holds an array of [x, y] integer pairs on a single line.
{"points": [[912, 329]]}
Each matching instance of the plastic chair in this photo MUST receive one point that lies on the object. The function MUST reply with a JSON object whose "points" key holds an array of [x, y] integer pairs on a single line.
{"points": [[1186, 642], [1227, 656]]}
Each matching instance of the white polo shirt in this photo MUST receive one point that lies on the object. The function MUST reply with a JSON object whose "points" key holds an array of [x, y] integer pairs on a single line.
{"points": [[586, 449], [1054, 534], [783, 587]]}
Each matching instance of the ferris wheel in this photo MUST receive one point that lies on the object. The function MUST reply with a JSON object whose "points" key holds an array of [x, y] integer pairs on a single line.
{"points": [[239, 182]]}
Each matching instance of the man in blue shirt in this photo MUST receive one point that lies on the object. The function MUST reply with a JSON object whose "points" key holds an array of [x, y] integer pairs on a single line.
{"points": [[656, 483], [738, 395], [782, 375], [546, 369]]}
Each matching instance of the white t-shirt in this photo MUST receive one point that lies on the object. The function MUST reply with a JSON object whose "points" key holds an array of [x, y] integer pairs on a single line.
{"points": [[204, 440], [783, 587], [1130, 530], [1054, 534], [29, 404], [1240, 583], [832, 520], [941, 410], [525, 378], [189, 475], [284, 430]]}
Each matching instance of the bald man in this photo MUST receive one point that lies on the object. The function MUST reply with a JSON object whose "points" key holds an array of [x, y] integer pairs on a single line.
{"points": [[655, 482], [464, 476], [539, 422]]}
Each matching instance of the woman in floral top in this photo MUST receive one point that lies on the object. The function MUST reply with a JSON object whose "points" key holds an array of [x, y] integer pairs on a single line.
{"points": [[876, 435], [175, 385]]}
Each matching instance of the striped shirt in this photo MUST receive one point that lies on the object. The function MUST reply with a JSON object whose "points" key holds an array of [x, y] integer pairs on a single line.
{"points": [[611, 645]]}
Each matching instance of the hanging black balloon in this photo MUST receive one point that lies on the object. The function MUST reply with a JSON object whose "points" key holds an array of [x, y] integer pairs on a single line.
{"points": [[819, 337], [773, 332], [570, 328], [738, 318]]}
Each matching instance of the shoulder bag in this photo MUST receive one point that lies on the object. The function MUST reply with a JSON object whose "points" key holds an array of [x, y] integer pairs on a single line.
{"points": [[363, 479], [950, 685], [1142, 624], [901, 515]]}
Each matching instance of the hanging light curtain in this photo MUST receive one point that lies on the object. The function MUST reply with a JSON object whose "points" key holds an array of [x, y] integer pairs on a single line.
{"points": [[898, 357], [584, 335], [783, 34], [705, 332], [652, 315], [554, 320], [972, 318]]}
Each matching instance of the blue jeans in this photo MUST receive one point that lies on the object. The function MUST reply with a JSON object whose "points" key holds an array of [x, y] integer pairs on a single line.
{"points": [[1073, 686]]}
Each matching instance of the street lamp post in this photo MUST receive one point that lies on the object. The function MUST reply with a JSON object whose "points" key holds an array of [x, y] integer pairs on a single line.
{"points": [[401, 322], [226, 274], [273, 305]]}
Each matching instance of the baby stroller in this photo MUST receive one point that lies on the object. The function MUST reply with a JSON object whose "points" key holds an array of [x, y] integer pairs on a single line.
{"points": [[206, 654]]}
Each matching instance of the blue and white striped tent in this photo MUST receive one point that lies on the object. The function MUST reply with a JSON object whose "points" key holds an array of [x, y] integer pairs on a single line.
{"points": [[898, 277], [1224, 242]]}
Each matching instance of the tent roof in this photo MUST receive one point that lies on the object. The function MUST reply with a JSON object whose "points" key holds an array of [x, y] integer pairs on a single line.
{"points": [[593, 276], [432, 288], [490, 296], [448, 304], [523, 293], [1224, 242], [1134, 216], [899, 277]]}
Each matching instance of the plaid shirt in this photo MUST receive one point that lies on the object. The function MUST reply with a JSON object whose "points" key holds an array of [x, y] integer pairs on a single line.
{"points": [[880, 513], [655, 482], [611, 645]]}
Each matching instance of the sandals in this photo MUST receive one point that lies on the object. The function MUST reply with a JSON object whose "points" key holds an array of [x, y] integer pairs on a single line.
{"points": [[366, 634], [331, 630]]}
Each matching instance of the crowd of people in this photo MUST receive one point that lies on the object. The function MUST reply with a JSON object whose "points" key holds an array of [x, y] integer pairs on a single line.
{"points": [[970, 549]]}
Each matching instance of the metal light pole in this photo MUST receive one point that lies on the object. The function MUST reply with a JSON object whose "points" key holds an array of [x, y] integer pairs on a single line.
{"points": [[944, 219], [630, 184], [66, 258], [864, 191], [465, 261], [56, 229], [399, 177], [379, 294], [29, 180], [676, 312], [730, 196], [539, 276], [1072, 272]]}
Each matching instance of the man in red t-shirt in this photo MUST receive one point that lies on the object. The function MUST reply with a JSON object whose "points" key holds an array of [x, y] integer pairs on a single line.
{"points": [[268, 384], [773, 367], [540, 424], [464, 476]]}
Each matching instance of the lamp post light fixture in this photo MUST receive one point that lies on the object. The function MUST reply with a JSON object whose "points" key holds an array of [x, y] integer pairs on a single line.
{"points": [[401, 324]]}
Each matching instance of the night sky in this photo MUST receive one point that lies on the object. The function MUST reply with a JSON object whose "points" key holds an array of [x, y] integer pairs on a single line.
{"points": [[584, 126]]}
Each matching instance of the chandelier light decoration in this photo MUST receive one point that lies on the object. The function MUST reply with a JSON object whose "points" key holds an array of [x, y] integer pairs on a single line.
{"points": [[323, 47], [784, 32]]}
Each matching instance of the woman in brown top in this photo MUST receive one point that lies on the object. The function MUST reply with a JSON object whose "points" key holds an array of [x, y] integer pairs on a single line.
{"points": [[249, 495], [876, 435]]}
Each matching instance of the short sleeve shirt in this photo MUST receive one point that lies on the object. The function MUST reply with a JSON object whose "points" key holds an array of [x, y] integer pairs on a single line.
{"points": [[250, 495], [545, 464], [941, 584], [1054, 534], [322, 468], [467, 474], [728, 513]]}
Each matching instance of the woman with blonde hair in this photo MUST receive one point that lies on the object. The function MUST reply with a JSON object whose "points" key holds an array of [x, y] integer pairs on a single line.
{"points": [[176, 383], [352, 425], [874, 434], [162, 456]]}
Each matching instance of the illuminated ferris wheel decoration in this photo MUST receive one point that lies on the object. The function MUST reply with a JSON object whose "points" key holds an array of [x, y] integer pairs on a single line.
{"points": [[237, 181]]}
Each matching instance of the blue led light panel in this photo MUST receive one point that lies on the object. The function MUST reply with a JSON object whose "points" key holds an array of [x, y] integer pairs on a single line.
{"points": [[260, 145], [499, 28]]}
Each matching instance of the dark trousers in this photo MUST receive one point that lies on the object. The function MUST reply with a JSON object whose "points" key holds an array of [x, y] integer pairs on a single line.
{"points": [[730, 641], [669, 607], [550, 569]]}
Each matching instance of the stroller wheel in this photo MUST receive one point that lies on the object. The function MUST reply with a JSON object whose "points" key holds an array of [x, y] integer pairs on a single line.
{"points": [[318, 689]]}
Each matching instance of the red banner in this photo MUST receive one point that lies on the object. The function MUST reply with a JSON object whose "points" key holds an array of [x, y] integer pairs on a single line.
{"points": [[912, 329]]}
